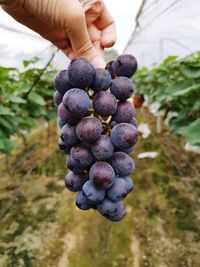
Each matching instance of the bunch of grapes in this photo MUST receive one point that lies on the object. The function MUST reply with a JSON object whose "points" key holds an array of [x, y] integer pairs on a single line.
{"points": [[98, 131]]}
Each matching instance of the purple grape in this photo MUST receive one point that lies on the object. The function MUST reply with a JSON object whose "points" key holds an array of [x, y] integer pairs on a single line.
{"points": [[121, 88], [74, 182], [92, 193], [57, 97], [66, 116], [104, 103], [102, 175], [68, 135], [81, 73], [81, 156], [129, 183], [82, 202], [76, 101], [89, 129], [102, 80], [112, 124], [61, 82], [61, 122], [124, 113], [103, 148], [127, 150], [61, 144], [74, 167], [124, 135], [119, 214], [109, 68], [134, 122], [118, 190], [108, 207], [122, 164], [125, 65]]}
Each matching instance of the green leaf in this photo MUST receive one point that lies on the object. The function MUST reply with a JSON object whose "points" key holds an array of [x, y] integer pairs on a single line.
{"points": [[15, 99], [6, 145], [190, 72], [192, 132], [187, 90], [36, 98], [169, 60], [6, 111]]}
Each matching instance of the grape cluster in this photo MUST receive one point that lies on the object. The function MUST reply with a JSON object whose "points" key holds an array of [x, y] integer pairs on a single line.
{"points": [[98, 131]]}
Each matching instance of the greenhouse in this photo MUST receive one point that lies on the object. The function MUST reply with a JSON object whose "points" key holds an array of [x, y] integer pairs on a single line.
{"points": [[100, 159]]}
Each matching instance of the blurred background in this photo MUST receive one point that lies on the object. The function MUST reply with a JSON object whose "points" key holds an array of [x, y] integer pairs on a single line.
{"points": [[40, 224]]}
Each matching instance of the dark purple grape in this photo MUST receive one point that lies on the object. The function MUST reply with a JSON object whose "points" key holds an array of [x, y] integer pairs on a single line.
{"points": [[102, 80], [129, 183], [121, 88], [74, 167], [112, 124], [125, 65], [134, 122], [108, 207], [104, 103], [61, 144], [122, 164], [124, 113], [103, 148], [124, 135], [127, 150], [81, 156], [89, 129], [102, 175], [81, 73], [76, 101], [61, 122], [57, 97], [66, 116], [61, 82], [68, 135], [119, 214], [109, 68], [82, 202], [118, 190], [74, 182], [92, 193]]}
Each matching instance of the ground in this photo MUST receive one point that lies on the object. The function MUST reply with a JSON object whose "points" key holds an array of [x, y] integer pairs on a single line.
{"points": [[40, 225]]}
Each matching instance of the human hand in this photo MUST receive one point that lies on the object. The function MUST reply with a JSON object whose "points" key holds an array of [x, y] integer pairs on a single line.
{"points": [[79, 28]]}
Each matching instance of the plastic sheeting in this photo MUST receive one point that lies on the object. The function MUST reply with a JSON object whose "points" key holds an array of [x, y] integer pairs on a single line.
{"points": [[165, 27]]}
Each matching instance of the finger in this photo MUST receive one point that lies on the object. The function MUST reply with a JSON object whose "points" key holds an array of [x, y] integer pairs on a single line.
{"points": [[106, 24]]}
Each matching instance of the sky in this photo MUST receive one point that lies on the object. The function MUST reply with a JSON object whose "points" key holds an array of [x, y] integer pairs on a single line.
{"points": [[14, 45]]}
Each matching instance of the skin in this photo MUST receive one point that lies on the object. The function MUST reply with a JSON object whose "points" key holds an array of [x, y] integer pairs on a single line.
{"points": [[79, 28]]}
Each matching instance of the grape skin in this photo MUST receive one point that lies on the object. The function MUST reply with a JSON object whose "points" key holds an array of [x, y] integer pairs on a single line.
{"points": [[102, 175], [125, 65], [102, 80], [129, 183], [122, 164], [66, 116], [108, 207], [76, 101], [118, 191], [121, 88], [103, 148], [61, 82], [74, 182], [124, 112], [81, 156], [92, 193], [89, 129], [57, 97], [124, 135], [82, 202], [104, 103], [119, 214], [68, 135]]}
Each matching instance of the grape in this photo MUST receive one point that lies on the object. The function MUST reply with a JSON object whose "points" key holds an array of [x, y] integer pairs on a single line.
{"points": [[74, 182], [124, 135], [104, 103], [61, 144], [125, 65], [66, 116], [82, 202], [118, 190], [103, 148], [122, 164], [108, 207], [57, 97], [134, 122], [102, 80], [81, 73], [61, 122], [119, 214], [81, 156], [109, 68], [129, 183], [124, 113], [92, 193], [112, 124], [121, 88], [68, 135], [74, 167], [61, 82], [128, 150], [89, 129], [76, 101], [102, 175]]}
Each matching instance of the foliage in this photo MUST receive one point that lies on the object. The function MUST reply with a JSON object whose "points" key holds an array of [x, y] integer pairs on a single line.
{"points": [[24, 97], [175, 84]]}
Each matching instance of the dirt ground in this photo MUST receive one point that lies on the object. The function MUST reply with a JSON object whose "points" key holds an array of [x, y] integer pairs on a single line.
{"points": [[40, 225]]}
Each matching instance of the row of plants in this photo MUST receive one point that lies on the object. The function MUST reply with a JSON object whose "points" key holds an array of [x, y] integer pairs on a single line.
{"points": [[175, 85], [25, 97]]}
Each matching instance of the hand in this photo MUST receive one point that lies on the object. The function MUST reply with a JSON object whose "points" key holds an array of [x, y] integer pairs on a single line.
{"points": [[79, 28]]}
